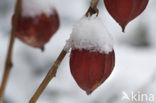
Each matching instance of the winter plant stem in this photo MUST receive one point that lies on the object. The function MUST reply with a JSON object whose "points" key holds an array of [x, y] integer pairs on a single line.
{"points": [[51, 74], [94, 3], [93, 8], [8, 63]]}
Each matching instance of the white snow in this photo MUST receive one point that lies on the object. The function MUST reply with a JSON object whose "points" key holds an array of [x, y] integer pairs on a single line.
{"points": [[32, 8], [90, 34], [133, 69]]}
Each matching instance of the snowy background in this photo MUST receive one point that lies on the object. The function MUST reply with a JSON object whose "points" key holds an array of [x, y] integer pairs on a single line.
{"points": [[135, 68]]}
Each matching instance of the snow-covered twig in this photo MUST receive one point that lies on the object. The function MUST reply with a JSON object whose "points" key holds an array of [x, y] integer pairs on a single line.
{"points": [[8, 64]]}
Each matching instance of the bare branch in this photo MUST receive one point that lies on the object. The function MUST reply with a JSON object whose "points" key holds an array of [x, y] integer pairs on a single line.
{"points": [[51, 74], [8, 64]]}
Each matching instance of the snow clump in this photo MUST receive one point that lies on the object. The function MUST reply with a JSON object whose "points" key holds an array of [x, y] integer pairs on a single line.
{"points": [[90, 33]]}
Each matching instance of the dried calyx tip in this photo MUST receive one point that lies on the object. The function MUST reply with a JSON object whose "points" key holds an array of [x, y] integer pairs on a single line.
{"points": [[89, 93], [123, 28], [42, 49]]}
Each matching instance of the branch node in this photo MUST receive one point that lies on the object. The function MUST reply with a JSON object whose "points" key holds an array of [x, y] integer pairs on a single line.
{"points": [[93, 8], [10, 65], [91, 11]]}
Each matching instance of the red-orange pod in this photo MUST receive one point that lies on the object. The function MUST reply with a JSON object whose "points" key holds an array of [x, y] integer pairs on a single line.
{"points": [[37, 31], [123, 11], [90, 69]]}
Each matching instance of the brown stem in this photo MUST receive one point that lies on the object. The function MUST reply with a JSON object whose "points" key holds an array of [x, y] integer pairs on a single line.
{"points": [[51, 74], [93, 8], [8, 63]]}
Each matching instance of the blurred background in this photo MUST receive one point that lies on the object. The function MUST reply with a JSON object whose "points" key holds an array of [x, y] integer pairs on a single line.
{"points": [[135, 69]]}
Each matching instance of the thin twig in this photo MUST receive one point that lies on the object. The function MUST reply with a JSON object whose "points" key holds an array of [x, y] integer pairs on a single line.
{"points": [[8, 63], [93, 8], [52, 72], [50, 75]]}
